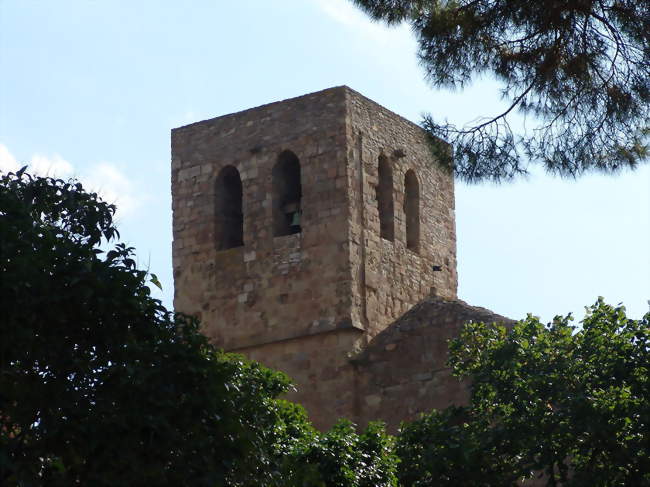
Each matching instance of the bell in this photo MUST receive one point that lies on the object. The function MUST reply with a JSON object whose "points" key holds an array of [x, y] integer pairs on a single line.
{"points": [[295, 219]]}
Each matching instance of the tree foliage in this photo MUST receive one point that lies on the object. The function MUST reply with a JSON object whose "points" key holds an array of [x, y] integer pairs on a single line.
{"points": [[341, 457], [450, 447], [580, 69], [99, 384], [570, 404]]}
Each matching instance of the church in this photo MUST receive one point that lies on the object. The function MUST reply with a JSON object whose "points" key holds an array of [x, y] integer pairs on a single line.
{"points": [[316, 235]]}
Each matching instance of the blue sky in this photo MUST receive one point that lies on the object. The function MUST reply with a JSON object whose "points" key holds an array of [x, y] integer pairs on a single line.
{"points": [[91, 89]]}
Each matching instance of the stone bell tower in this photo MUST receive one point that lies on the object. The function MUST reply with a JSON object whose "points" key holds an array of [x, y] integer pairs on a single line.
{"points": [[303, 228]]}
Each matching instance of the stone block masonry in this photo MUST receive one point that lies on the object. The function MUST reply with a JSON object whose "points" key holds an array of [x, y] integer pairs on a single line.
{"points": [[303, 229], [403, 371]]}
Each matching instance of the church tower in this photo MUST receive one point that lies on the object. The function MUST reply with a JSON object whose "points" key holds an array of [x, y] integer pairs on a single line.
{"points": [[304, 228]]}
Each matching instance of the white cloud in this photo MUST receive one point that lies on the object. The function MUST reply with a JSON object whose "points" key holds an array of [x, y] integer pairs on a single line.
{"points": [[113, 186], [8, 162], [350, 16], [54, 166], [103, 178]]}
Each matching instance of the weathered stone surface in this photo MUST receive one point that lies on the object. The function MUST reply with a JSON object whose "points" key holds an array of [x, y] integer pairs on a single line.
{"points": [[404, 365], [307, 301]]}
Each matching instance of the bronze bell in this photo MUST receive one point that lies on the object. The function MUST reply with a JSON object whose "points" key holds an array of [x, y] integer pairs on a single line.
{"points": [[295, 219]]}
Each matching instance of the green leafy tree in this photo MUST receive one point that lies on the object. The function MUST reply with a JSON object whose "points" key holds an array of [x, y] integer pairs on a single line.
{"points": [[579, 68], [569, 404], [341, 457], [450, 447], [99, 384]]}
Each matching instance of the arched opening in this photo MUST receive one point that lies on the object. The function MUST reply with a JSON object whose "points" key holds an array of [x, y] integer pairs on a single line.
{"points": [[287, 193], [229, 217], [412, 210], [385, 199]]}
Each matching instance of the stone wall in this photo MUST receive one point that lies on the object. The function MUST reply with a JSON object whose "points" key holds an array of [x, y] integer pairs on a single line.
{"points": [[402, 372], [388, 278], [325, 380], [273, 287], [307, 301]]}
